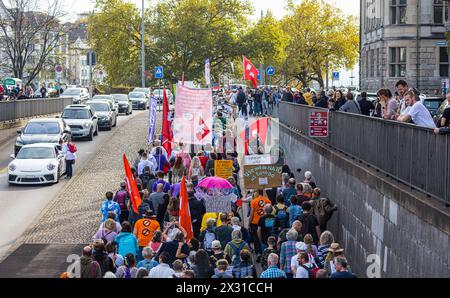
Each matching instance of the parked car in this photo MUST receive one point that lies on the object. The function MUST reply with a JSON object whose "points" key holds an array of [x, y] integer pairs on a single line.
{"points": [[115, 106], [79, 95], [44, 130], [103, 110], [82, 121], [36, 164], [124, 102], [159, 95], [139, 100], [143, 90], [432, 103]]}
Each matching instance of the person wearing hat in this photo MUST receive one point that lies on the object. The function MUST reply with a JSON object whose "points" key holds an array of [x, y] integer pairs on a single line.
{"points": [[334, 251], [144, 230], [301, 248], [217, 253]]}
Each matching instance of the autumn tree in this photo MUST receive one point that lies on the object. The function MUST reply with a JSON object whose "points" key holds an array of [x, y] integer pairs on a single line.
{"points": [[320, 37], [187, 32], [114, 33]]}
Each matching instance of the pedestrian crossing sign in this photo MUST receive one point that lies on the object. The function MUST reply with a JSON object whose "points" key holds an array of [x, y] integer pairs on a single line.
{"points": [[159, 72]]}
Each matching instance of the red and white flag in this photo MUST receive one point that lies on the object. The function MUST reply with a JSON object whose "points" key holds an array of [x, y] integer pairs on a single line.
{"points": [[131, 186], [250, 72], [185, 213], [167, 136]]}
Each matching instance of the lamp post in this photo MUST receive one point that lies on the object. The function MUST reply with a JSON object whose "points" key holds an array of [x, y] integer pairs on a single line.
{"points": [[143, 47]]}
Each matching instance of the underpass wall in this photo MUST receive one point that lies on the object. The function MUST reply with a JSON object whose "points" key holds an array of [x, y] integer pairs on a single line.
{"points": [[384, 226]]}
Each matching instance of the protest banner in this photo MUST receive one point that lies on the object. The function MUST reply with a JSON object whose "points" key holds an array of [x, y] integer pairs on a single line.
{"points": [[262, 176], [193, 116], [263, 159], [223, 168]]}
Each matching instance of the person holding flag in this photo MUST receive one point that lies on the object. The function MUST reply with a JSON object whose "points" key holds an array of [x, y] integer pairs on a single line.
{"points": [[132, 189]]}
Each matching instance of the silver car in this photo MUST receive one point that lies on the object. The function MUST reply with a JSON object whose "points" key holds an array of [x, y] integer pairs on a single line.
{"points": [[82, 121], [125, 104], [79, 95], [115, 106], [106, 116]]}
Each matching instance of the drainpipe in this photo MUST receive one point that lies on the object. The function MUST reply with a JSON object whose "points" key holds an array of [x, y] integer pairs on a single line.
{"points": [[419, 7], [362, 2]]}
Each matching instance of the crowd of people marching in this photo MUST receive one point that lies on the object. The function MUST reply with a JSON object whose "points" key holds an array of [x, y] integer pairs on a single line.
{"points": [[272, 233]]}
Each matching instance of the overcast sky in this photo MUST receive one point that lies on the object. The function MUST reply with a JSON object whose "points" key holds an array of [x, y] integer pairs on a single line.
{"points": [[276, 6]]}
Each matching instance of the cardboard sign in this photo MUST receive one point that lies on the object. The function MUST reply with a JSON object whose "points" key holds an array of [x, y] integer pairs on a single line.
{"points": [[219, 204], [262, 176], [264, 159], [223, 168]]}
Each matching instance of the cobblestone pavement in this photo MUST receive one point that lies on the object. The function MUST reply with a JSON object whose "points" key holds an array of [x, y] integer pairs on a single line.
{"points": [[73, 216]]}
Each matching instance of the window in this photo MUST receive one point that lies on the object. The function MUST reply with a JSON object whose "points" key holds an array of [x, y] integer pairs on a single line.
{"points": [[398, 12], [397, 62], [372, 64], [440, 11], [443, 62]]}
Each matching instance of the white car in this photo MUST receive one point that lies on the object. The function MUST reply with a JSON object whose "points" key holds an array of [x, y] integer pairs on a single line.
{"points": [[36, 164]]}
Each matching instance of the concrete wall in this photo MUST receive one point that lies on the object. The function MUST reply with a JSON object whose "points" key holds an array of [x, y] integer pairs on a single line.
{"points": [[408, 231]]}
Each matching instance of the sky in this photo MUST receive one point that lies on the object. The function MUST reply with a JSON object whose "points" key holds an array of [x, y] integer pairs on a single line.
{"points": [[276, 6]]}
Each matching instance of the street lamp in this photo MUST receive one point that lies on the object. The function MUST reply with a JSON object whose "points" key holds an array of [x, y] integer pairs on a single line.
{"points": [[143, 48]]}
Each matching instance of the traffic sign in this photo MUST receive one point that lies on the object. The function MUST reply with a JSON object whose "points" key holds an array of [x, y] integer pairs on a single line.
{"points": [[159, 72], [270, 71], [336, 76], [441, 43], [318, 124], [58, 69], [259, 76]]}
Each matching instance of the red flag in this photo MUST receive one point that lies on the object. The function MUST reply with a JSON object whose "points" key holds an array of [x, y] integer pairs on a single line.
{"points": [[166, 127], [250, 72], [131, 186], [258, 129], [185, 213]]}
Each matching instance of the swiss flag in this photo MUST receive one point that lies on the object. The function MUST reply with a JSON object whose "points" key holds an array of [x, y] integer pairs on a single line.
{"points": [[258, 129], [250, 72], [203, 130]]}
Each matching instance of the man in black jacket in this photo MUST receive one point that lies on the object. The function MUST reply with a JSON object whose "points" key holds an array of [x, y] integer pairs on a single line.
{"points": [[288, 95], [197, 208], [366, 106], [242, 102]]}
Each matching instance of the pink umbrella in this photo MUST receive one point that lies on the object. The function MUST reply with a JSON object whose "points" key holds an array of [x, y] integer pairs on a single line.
{"points": [[215, 182]]}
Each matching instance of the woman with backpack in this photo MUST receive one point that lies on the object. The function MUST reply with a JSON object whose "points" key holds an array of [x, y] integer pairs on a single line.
{"points": [[129, 268], [69, 150], [122, 198], [245, 268], [127, 243], [107, 232]]}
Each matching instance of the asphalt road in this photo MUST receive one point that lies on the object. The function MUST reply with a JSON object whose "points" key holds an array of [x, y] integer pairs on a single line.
{"points": [[20, 205]]}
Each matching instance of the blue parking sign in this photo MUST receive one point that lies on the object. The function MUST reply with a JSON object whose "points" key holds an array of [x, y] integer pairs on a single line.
{"points": [[159, 72]]}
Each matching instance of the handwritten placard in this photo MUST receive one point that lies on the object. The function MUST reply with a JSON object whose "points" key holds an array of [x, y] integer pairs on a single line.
{"points": [[220, 204], [223, 168], [258, 159], [262, 176]]}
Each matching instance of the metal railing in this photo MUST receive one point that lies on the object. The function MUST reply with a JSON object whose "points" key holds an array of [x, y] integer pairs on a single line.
{"points": [[18, 109], [411, 154]]}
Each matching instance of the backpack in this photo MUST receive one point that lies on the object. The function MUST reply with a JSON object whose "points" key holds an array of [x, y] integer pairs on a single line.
{"points": [[236, 259], [243, 271], [121, 198], [311, 271], [72, 148], [144, 207], [282, 216], [208, 240]]}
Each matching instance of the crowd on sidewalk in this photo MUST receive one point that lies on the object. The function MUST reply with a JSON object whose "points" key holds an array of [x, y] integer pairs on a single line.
{"points": [[286, 235]]}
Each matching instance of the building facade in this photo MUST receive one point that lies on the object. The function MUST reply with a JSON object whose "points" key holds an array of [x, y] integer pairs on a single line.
{"points": [[404, 40]]}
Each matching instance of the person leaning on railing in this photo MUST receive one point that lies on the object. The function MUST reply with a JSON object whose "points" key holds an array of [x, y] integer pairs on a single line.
{"points": [[444, 122]]}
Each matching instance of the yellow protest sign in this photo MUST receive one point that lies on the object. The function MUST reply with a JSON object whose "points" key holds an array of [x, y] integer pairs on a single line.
{"points": [[223, 168]]}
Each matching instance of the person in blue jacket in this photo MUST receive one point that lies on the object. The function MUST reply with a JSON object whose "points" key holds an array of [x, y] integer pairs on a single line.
{"points": [[110, 206], [126, 242]]}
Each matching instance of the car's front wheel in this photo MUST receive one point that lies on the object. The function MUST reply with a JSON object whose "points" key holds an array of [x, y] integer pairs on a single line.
{"points": [[91, 135]]}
